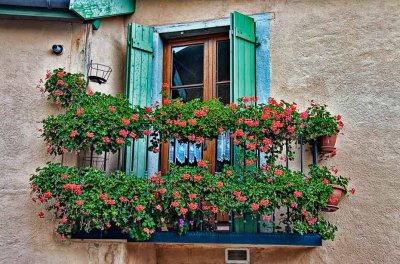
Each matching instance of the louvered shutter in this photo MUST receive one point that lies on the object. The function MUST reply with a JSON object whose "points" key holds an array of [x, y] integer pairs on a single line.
{"points": [[243, 58], [139, 66]]}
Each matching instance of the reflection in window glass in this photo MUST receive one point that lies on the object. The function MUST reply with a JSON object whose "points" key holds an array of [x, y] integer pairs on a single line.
{"points": [[223, 61], [187, 65], [187, 94]]}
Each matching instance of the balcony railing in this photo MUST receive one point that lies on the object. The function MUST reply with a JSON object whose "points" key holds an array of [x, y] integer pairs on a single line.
{"points": [[242, 230]]}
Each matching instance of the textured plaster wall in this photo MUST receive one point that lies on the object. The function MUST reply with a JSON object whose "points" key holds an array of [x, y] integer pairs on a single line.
{"points": [[25, 55], [342, 53]]}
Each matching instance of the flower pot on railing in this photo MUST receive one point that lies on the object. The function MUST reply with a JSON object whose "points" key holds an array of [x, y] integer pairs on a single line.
{"points": [[327, 143], [334, 198]]}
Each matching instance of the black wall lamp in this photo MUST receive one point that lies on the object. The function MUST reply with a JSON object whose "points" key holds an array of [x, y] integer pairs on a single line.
{"points": [[57, 49]]}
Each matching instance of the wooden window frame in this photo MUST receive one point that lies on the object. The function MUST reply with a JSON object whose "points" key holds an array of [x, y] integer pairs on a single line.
{"points": [[209, 84]]}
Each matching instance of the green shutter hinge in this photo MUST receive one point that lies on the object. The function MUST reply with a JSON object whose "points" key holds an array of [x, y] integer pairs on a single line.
{"points": [[258, 43]]}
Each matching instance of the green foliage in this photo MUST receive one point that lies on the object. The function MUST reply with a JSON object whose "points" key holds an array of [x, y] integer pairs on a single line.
{"points": [[193, 121], [64, 87], [101, 121], [86, 199], [320, 122], [179, 200]]}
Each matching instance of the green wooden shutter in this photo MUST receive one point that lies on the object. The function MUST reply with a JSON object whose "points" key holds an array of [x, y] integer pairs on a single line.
{"points": [[243, 60], [139, 65]]}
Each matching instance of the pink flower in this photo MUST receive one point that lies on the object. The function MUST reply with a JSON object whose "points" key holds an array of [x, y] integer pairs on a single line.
{"points": [[242, 199], [175, 204], [133, 135], [338, 117], [229, 173], [266, 217], [64, 220], [123, 133], [125, 121], [353, 191], [264, 202], [148, 109], [106, 140], [47, 194], [325, 181], [123, 199], [293, 205], [74, 133], [90, 92], [103, 196], [192, 121], [90, 134], [214, 209], [135, 117], [278, 172], [110, 202], [186, 176], [58, 92], [197, 178], [177, 195], [60, 82], [119, 141], [64, 176], [193, 206], [139, 208], [112, 108], [192, 195], [297, 194], [158, 207], [183, 210], [254, 206], [155, 150], [79, 202], [303, 115], [220, 184], [60, 74], [201, 163], [48, 75], [162, 190], [146, 132]]}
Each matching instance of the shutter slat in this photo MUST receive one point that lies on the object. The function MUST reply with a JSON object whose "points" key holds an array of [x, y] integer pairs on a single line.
{"points": [[139, 90]]}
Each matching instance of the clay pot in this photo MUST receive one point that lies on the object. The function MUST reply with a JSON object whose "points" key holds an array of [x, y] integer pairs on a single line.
{"points": [[334, 198], [327, 144]]}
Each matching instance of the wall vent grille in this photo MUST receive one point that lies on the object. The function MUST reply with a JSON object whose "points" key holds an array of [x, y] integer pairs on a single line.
{"points": [[237, 256]]}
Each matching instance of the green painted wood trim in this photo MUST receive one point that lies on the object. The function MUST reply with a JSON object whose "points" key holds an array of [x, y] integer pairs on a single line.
{"points": [[9, 10], [138, 89], [96, 24], [102, 8]]}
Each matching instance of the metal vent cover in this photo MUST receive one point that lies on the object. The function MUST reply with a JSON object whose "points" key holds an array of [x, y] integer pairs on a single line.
{"points": [[237, 256]]}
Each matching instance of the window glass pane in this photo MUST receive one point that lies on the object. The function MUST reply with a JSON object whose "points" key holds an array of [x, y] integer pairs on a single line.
{"points": [[223, 93], [223, 60], [187, 65], [188, 93]]}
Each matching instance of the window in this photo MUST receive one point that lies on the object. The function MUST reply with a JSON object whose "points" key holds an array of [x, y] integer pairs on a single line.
{"points": [[197, 68], [145, 70]]}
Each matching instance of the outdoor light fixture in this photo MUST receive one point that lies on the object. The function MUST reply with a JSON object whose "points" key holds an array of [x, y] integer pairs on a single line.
{"points": [[57, 49]]}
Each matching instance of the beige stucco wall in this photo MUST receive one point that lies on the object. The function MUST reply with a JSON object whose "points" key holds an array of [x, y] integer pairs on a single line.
{"points": [[342, 53]]}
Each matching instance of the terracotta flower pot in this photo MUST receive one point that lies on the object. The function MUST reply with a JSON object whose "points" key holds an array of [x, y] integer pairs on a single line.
{"points": [[327, 144], [334, 198]]}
